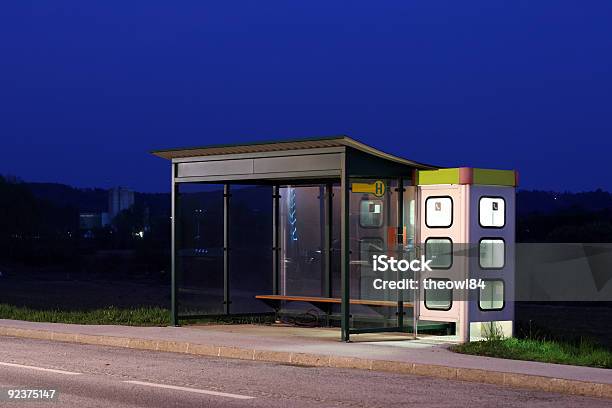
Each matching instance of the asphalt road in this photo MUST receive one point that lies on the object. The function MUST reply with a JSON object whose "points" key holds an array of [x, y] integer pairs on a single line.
{"points": [[94, 376]]}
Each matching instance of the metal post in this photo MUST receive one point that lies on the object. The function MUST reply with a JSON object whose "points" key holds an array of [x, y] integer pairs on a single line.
{"points": [[275, 239], [174, 319], [329, 194], [226, 248], [416, 294], [323, 237], [345, 250], [400, 246]]}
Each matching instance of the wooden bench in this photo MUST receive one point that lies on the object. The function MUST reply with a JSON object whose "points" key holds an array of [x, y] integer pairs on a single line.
{"points": [[325, 303]]}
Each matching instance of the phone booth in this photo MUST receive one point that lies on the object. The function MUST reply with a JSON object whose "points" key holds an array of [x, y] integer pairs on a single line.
{"points": [[466, 226]]}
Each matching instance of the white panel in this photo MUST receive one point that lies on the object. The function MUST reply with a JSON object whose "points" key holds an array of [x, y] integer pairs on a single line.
{"points": [[495, 329], [450, 201], [492, 212], [215, 168], [297, 163], [439, 212]]}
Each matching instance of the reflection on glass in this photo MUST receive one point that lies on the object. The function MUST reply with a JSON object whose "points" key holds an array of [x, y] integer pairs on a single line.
{"points": [[250, 241], [302, 239], [200, 249], [371, 213], [492, 296], [492, 253], [440, 252], [373, 223], [367, 248], [438, 299], [409, 218]]}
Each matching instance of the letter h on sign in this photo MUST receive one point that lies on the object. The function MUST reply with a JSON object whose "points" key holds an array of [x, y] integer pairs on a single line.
{"points": [[379, 188]]}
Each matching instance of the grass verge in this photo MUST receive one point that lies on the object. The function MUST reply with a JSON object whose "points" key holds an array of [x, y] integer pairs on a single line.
{"points": [[143, 316], [581, 353]]}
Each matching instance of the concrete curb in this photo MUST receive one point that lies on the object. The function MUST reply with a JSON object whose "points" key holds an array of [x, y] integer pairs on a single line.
{"points": [[534, 382]]}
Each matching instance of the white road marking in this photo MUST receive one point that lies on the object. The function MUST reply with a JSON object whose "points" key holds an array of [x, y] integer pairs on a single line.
{"points": [[195, 390], [49, 370]]}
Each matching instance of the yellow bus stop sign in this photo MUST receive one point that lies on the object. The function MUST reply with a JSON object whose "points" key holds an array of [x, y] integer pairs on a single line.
{"points": [[377, 188]]}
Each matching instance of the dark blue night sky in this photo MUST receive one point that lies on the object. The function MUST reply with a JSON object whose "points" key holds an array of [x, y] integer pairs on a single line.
{"points": [[87, 88]]}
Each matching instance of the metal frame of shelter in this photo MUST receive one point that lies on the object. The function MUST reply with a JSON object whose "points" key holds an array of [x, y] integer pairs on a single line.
{"points": [[337, 159]]}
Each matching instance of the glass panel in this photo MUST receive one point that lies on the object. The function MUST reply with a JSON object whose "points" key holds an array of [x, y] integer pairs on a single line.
{"points": [[409, 248], [439, 212], [438, 299], [371, 213], [200, 249], [373, 231], [336, 245], [302, 239], [251, 247], [492, 296], [409, 218], [440, 251], [368, 247], [492, 253], [492, 212]]}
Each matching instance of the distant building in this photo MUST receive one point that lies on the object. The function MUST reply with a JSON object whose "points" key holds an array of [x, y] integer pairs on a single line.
{"points": [[90, 221], [119, 199]]}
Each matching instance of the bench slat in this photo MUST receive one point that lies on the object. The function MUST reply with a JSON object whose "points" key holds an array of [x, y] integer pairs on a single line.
{"points": [[315, 299]]}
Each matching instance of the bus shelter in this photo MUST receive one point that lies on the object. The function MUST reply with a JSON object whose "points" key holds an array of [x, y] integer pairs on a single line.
{"points": [[291, 226]]}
